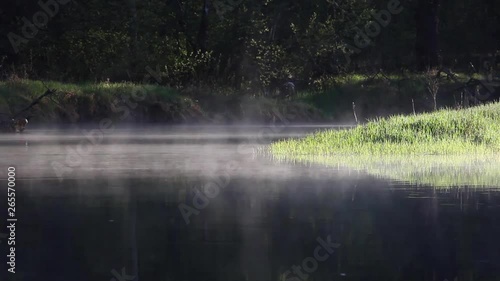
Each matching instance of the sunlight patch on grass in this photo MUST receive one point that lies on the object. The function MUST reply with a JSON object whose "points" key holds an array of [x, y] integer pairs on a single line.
{"points": [[443, 148], [445, 132]]}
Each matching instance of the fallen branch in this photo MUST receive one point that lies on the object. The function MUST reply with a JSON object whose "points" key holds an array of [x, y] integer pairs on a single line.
{"points": [[35, 102]]}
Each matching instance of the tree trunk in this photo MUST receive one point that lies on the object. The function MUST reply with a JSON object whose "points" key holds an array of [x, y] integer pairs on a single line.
{"points": [[133, 37], [203, 31], [182, 31], [426, 45]]}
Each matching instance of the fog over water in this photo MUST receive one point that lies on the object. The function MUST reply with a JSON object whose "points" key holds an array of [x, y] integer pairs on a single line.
{"points": [[126, 152], [204, 203]]}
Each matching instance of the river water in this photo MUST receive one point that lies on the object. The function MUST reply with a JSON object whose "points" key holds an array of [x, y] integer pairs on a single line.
{"points": [[204, 203]]}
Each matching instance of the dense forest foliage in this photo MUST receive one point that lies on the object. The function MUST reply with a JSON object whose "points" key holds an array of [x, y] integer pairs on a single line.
{"points": [[241, 44]]}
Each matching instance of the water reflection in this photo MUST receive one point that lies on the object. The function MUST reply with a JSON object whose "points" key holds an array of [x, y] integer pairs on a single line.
{"points": [[256, 229], [427, 170], [118, 214]]}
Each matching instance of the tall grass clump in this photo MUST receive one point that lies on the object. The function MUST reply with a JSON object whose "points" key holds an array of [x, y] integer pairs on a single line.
{"points": [[467, 131]]}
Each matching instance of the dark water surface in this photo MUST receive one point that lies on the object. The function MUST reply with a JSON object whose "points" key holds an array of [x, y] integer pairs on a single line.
{"points": [[198, 203]]}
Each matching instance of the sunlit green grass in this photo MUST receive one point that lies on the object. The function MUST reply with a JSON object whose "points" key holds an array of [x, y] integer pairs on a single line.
{"points": [[469, 131], [444, 148]]}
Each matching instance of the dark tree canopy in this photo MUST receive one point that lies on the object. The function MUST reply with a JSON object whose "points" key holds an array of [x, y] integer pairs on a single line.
{"points": [[239, 43]]}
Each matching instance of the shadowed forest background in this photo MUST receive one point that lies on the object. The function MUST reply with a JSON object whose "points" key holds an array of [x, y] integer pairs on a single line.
{"points": [[253, 47]]}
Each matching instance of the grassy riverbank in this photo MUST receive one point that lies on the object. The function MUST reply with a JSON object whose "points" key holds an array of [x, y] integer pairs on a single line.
{"points": [[383, 95], [129, 102], [327, 100], [444, 132]]}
